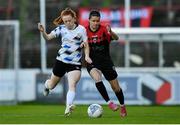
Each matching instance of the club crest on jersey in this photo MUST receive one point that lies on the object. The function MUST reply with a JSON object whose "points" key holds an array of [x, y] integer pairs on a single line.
{"points": [[95, 38]]}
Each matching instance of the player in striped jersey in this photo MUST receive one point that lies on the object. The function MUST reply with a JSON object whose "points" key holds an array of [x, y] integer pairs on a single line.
{"points": [[73, 38]]}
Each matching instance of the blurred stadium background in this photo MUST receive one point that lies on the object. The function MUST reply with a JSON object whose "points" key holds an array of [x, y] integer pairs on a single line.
{"points": [[147, 55]]}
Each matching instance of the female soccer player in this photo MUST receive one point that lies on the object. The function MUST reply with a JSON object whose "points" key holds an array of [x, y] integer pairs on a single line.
{"points": [[73, 38], [99, 38]]}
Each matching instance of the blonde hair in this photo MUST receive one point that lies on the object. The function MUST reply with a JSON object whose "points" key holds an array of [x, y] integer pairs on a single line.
{"points": [[67, 11]]}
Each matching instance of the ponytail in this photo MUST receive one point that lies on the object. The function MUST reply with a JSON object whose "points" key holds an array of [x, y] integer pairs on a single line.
{"points": [[58, 21]]}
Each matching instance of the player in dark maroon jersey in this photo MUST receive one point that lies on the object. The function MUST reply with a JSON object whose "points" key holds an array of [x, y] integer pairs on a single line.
{"points": [[99, 38]]}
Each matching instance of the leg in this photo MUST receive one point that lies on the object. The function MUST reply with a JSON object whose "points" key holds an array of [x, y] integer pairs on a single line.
{"points": [[51, 84], [119, 94], [97, 76], [73, 78], [111, 75], [58, 73], [118, 91]]}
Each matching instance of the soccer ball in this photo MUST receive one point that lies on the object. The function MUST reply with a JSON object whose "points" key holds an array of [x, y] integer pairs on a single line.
{"points": [[95, 111]]}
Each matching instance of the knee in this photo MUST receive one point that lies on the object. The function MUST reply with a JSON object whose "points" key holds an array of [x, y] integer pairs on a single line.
{"points": [[95, 75], [97, 78]]}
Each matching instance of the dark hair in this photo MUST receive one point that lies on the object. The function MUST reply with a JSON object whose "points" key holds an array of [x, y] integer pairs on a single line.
{"points": [[94, 13]]}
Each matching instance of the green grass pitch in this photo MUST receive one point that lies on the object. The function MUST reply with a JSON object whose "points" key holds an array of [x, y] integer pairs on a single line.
{"points": [[54, 114]]}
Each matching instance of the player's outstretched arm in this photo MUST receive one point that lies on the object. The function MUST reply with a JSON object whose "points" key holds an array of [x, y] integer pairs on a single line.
{"points": [[45, 35]]}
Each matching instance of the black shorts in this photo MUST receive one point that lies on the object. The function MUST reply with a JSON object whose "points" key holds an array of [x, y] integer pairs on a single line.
{"points": [[106, 67], [60, 68]]}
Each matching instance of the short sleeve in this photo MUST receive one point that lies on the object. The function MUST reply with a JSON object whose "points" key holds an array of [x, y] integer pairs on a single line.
{"points": [[84, 34], [56, 32]]}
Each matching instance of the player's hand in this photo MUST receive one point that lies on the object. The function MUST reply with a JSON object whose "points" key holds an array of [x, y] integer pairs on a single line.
{"points": [[88, 59], [40, 27], [83, 44], [108, 27]]}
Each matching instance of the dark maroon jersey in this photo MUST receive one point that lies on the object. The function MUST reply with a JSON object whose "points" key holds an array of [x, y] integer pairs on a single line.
{"points": [[99, 43]]}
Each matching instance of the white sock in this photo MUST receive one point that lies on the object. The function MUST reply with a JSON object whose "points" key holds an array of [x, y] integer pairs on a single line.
{"points": [[46, 84], [70, 97]]}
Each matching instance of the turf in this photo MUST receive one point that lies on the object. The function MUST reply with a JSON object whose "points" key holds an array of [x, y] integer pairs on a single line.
{"points": [[53, 114]]}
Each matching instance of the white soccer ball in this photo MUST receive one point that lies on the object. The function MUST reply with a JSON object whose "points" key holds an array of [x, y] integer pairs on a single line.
{"points": [[95, 111]]}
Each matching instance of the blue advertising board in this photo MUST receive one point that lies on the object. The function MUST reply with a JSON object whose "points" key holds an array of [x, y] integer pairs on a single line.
{"points": [[138, 88]]}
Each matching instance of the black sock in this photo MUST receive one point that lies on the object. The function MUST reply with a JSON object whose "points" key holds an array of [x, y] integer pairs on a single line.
{"points": [[120, 96], [102, 90]]}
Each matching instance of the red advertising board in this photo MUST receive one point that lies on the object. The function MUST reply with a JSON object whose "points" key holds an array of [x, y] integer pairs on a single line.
{"points": [[140, 17]]}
